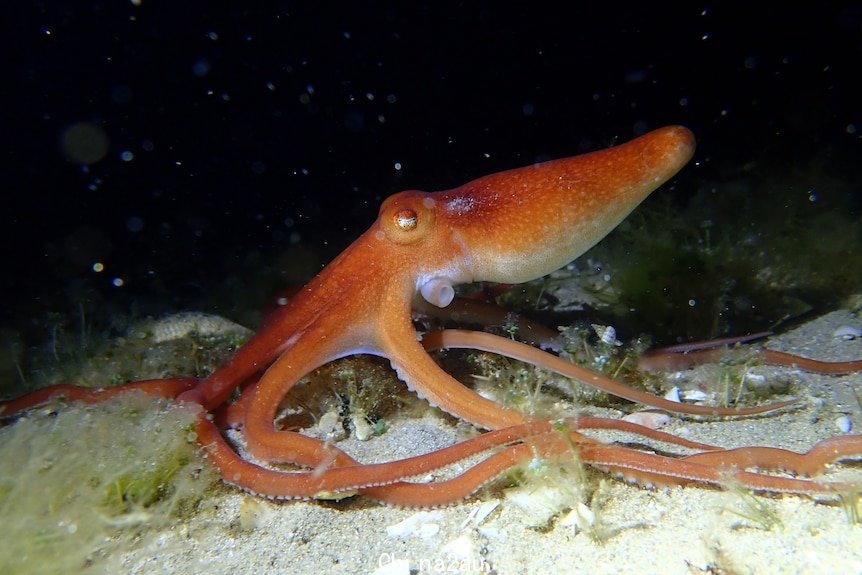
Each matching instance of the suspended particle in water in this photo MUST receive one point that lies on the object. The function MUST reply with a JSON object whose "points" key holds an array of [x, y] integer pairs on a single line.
{"points": [[84, 143]]}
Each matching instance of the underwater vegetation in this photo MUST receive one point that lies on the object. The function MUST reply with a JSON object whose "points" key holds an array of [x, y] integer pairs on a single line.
{"points": [[78, 481], [354, 395], [100, 478], [89, 353]]}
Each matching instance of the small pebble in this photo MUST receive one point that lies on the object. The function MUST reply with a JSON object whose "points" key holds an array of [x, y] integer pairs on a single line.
{"points": [[843, 424], [756, 378], [491, 533]]}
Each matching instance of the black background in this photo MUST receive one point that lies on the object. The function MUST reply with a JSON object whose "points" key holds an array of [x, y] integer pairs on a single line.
{"points": [[263, 138]]}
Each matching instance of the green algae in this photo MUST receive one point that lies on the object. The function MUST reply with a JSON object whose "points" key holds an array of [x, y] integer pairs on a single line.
{"points": [[79, 481], [185, 344], [757, 511]]}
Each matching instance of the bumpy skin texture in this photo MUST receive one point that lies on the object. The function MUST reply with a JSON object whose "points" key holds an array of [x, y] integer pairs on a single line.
{"points": [[508, 227]]}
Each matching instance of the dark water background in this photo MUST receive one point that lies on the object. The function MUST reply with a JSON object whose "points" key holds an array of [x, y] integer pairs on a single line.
{"points": [[202, 157]]}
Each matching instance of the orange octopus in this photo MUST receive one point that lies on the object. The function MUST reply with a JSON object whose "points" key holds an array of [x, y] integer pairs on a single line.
{"points": [[509, 227]]}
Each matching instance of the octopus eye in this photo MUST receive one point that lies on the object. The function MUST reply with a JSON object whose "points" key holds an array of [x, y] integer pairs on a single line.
{"points": [[406, 219]]}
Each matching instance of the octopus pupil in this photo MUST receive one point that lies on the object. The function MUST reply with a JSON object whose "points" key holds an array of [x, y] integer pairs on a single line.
{"points": [[406, 219]]}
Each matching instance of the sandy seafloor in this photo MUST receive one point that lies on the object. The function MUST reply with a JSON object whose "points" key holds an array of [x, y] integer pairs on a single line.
{"points": [[681, 530]]}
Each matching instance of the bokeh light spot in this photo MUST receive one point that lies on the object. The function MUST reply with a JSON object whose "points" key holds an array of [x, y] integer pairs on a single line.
{"points": [[84, 143]]}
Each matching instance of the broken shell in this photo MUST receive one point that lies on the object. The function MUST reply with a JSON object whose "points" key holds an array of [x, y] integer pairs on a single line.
{"points": [[480, 513], [694, 395], [460, 548], [650, 419], [540, 504], [580, 518], [362, 429], [847, 332], [607, 334], [330, 427], [419, 524]]}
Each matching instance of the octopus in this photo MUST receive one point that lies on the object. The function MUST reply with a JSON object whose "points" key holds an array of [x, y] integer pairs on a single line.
{"points": [[508, 228]]}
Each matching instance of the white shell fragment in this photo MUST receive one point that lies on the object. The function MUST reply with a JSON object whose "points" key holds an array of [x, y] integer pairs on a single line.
{"points": [[478, 515], [607, 334], [844, 424], [330, 427], [419, 524], [694, 395], [460, 548], [362, 430], [581, 518], [672, 394], [181, 325], [540, 504], [650, 419], [847, 332]]}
